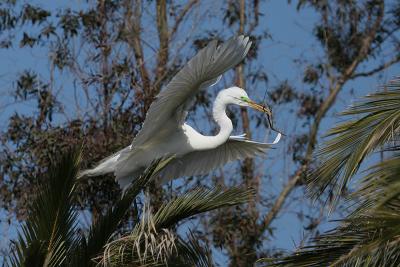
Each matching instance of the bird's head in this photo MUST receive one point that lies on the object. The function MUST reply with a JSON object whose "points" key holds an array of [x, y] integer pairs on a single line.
{"points": [[238, 96]]}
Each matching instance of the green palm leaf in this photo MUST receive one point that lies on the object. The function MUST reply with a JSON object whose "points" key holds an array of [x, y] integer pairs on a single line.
{"points": [[48, 232], [359, 240], [101, 231], [369, 236], [191, 253], [49, 236], [380, 187], [353, 141], [152, 238], [198, 201]]}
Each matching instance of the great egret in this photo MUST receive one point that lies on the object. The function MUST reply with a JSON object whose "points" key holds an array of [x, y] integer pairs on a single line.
{"points": [[165, 133]]}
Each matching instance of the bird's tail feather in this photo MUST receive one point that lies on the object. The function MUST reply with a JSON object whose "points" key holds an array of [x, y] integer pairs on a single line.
{"points": [[107, 165]]}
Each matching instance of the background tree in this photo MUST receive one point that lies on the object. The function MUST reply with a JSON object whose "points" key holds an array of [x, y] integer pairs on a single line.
{"points": [[110, 58]]}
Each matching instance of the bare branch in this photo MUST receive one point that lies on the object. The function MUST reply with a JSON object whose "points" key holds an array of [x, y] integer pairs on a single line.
{"points": [[377, 69], [326, 105], [163, 36], [254, 23], [366, 44], [133, 26], [181, 16]]}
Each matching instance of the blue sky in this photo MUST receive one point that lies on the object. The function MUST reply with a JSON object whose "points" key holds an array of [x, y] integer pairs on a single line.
{"points": [[291, 39]]}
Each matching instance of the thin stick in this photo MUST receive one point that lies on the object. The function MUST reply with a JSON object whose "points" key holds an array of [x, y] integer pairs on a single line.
{"points": [[269, 117]]}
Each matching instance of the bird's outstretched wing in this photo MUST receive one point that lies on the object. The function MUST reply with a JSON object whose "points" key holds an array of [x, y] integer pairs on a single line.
{"points": [[202, 162], [202, 71]]}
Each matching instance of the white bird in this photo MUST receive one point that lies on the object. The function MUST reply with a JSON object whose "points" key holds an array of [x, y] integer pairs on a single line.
{"points": [[165, 133]]}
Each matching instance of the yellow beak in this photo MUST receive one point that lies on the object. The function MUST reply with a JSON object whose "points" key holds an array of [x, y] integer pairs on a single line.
{"points": [[267, 111], [261, 108]]}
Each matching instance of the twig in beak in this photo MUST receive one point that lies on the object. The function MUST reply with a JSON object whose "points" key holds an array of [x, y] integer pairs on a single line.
{"points": [[270, 121]]}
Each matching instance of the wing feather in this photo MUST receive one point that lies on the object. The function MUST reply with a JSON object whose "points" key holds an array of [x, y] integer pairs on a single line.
{"points": [[200, 72], [204, 161]]}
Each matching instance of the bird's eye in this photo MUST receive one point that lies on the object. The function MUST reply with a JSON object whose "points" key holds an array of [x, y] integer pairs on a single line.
{"points": [[243, 98]]}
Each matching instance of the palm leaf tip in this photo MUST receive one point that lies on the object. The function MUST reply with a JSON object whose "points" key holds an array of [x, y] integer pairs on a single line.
{"points": [[47, 234], [351, 142]]}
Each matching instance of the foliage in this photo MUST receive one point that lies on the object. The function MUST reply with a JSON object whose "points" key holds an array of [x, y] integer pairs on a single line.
{"points": [[354, 140], [129, 248], [347, 23], [47, 235], [50, 235], [369, 236]]}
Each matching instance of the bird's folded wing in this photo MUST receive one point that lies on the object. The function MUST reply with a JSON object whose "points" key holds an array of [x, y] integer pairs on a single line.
{"points": [[204, 161], [202, 71]]}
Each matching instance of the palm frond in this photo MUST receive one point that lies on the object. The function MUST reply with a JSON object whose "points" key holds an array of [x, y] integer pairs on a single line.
{"points": [[353, 141], [198, 201], [49, 231], [370, 235], [359, 239], [101, 231], [380, 187], [191, 253], [151, 242], [144, 246]]}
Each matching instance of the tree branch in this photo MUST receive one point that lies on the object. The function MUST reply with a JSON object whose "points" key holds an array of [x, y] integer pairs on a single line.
{"points": [[247, 167], [377, 69], [163, 37], [133, 26], [181, 16], [326, 105], [280, 200]]}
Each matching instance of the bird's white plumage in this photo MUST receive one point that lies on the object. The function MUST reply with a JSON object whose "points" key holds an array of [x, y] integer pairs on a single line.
{"points": [[165, 132], [204, 69], [204, 161]]}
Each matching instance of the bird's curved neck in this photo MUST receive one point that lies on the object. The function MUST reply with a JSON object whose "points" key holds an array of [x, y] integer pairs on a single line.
{"points": [[203, 142], [224, 124], [223, 121]]}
